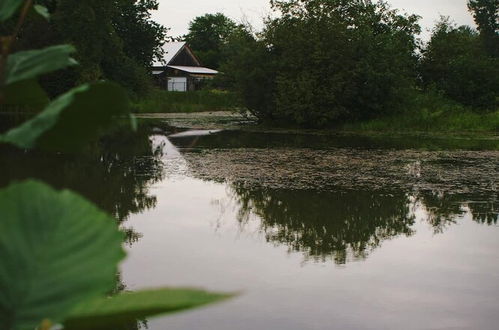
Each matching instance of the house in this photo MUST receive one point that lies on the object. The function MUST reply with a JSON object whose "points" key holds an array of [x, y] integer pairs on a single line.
{"points": [[180, 70]]}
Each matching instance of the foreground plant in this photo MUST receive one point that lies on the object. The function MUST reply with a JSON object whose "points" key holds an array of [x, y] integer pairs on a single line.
{"points": [[59, 253]]}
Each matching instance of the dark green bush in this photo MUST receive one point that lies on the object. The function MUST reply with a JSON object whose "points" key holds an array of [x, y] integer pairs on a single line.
{"points": [[456, 62], [116, 40], [197, 101], [322, 62]]}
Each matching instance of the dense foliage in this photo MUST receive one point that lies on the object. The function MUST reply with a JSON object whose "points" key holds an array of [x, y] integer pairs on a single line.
{"points": [[115, 40], [249, 70], [486, 14], [463, 63], [327, 61], [456, 62], [194, 101], [207, 36]]}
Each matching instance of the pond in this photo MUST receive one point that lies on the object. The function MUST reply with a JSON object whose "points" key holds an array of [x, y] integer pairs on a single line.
{"points": [[313, 230]]}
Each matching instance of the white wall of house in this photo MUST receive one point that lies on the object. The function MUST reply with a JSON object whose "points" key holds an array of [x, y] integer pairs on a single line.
{"points": [[177, 84]]}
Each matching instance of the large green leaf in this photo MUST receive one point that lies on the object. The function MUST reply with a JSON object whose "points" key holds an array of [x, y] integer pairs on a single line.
{"points": [[124, 308], [56, 250], [33, 63], [26, 94], [72, 119], [8, 8]]}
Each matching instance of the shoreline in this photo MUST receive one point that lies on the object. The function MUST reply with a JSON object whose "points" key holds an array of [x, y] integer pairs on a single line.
{"points": [[234, 120]]}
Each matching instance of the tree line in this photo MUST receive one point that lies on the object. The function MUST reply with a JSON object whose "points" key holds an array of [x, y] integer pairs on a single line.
{"points": [[316, 62], [326, 62], [115, 40]]}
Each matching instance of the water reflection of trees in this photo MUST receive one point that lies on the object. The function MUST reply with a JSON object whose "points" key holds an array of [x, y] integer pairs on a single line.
{"points": [[342, 202], [114, 173], [444, 208], [341, 225], [349, 224], [485, 212]]}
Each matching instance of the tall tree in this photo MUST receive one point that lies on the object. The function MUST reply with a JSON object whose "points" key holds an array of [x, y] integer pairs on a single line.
{"points": [[207, 35], [456, 63], [142, 37], [116, 40], [248, 67], [328, 61], [486, 14]]}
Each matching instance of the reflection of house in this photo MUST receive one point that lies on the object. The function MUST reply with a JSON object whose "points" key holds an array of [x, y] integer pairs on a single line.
{"points": [[180, 69]]}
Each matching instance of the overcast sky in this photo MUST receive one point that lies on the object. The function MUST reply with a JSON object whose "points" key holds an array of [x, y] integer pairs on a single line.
{"points": [[177, 14]]}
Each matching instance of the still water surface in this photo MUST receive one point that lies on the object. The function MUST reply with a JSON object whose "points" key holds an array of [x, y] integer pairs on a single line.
{"points": [[315, 232]]}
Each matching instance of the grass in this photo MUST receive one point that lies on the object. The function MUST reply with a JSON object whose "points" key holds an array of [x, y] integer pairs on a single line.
{"points": [[427, 112], [424, 121], [433, 113], [161, 101]]}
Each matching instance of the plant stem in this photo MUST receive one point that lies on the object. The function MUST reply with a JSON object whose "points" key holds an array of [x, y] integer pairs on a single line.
{"points": [[8, 41]]}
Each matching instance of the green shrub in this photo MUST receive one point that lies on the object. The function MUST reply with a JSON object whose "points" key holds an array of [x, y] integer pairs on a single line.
{"points": [[456, 63], [322, 62], [163, 101], [432, 112]]}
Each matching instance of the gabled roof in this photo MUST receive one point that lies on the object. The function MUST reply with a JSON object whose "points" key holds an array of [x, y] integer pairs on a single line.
{"points": [[171, 50]]}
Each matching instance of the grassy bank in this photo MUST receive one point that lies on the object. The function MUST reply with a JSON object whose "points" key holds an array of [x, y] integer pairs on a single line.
{"points": [[160, 101], [433, 114], [424, 121], [425, 113]]}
